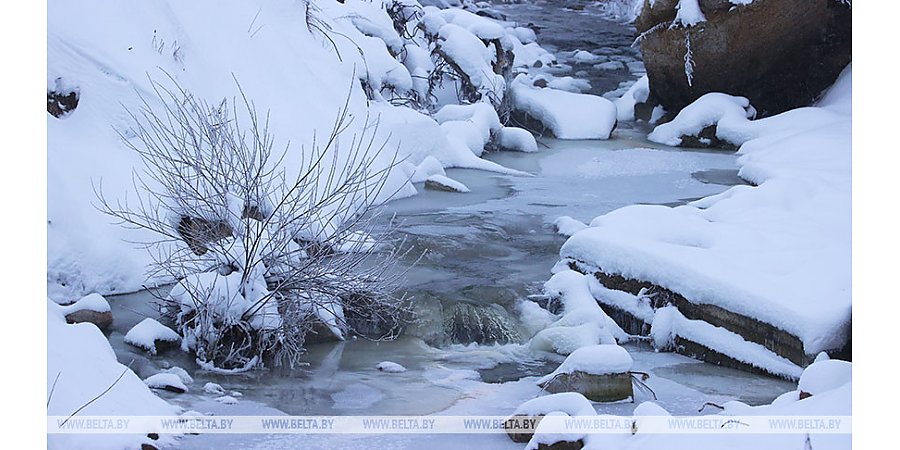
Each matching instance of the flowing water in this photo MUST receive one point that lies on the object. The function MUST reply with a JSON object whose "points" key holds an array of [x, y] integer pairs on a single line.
{"points": [[485, 252]]}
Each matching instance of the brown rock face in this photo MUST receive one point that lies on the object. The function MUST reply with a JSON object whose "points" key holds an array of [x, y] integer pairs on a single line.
{"points": [[781, 54], [103, 320]]}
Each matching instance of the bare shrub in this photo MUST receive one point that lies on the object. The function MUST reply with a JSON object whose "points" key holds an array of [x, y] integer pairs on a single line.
{"points": [[261, 254]]}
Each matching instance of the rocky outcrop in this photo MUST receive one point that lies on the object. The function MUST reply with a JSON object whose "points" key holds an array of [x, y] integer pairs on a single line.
{"points": [[781, 54]]}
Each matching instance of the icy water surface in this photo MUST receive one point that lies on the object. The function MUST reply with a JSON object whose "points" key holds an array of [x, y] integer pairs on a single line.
{"points": [[485, 252], [489, 248]]}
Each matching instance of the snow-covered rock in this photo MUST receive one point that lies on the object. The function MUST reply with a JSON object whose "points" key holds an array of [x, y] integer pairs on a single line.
{"points": [[92, 308], [213, 388], [516, 139], [823, 376], [568, 226], [182, 374], [149, 334], [390, 367], [444, 183], [599, 372], [166, 381], [548, 434], [524, 420], [594, 360], [567, 115]]}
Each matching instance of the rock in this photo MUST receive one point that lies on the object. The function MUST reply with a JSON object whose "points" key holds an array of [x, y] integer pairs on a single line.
{"points": [[442, 183], [198, 232], [781, 54], [167, 382], [467, 323], [146, 446], [599, 388], [103, 320], [540, 82], [549, 437], [91, 308], [62, 99], [152, 336]]}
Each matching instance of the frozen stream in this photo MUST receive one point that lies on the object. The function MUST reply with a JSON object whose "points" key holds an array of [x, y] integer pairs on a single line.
{"points": [[493, 246], [489, 250]]}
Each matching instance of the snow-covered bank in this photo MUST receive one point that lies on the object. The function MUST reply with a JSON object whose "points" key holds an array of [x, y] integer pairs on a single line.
{"points": [[81, 366], [301, 63], [778, 252]]}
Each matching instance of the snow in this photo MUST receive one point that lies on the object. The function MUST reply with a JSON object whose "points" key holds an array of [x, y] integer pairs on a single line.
{"points": [[448, 183], [181, 374], [639, 92], [146, 334], [823, 376], [90, 302], [569, 84], [428, 167], [80, 366], [570, 403], [582, 322], [710, 109], [473, 59], [290, 70], [778, 252], [390, 367], [566, 114], [516, 139], [584, 56], [595, 360], [165, 380], [689, 13], [568, 226]]}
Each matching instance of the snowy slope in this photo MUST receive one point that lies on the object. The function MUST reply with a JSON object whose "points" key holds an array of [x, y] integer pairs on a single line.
{"points": [[298, 61], [779, 252]]}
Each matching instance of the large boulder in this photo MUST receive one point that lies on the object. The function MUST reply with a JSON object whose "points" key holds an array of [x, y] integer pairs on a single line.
{"points": [[781, 54]]}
